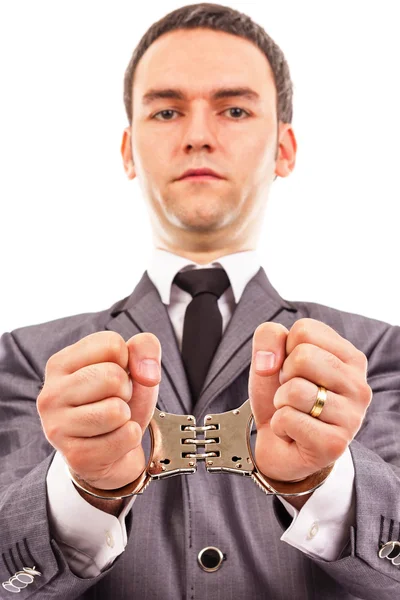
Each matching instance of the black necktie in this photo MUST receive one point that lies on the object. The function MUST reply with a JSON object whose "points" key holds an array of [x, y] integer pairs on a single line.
{"points": [[202, 328]]}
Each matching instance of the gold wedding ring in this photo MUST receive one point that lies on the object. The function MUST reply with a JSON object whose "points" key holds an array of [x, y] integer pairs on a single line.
{"points": [[319, 403]]}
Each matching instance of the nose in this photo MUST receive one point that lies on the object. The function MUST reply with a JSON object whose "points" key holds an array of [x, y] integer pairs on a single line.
{"points": [[199, 130]]}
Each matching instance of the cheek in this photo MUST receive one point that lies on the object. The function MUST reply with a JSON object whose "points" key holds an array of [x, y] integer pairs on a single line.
{"points": [[150, 161], [263, 152], [263, 166], [253, 155], [146, 144]]}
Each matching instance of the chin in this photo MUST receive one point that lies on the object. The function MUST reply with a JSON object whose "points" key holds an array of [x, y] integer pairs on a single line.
{"points": [[203, 223], [200, 213]]}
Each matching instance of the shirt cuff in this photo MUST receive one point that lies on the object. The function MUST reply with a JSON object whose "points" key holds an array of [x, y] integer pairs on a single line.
{"points": [[322, 527], [92, 539]]}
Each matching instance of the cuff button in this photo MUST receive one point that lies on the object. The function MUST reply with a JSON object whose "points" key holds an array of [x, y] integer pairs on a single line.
{"points": [[390, 550]]}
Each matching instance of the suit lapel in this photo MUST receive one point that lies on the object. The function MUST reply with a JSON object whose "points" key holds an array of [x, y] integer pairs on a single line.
{"points": [[144, 311], [259, 303]]}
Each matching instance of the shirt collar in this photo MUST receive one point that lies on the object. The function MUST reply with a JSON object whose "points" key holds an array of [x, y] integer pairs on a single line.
{"points": [[239, 266]]}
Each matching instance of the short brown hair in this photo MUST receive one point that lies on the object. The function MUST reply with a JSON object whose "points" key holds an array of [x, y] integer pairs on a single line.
{"points": [[219, 18]]}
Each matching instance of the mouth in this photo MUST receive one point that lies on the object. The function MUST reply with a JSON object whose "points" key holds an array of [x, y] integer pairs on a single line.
{"points": [[200, 178]]}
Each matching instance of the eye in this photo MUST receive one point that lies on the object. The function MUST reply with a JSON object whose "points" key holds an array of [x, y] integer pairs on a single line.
{"points": [[237, 108], [168, 110], [163, 112]]}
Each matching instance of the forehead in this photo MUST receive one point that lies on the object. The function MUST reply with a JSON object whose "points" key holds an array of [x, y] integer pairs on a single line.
{"points": [[201, 60]]}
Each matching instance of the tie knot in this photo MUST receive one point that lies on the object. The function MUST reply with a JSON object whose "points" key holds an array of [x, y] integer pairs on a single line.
{"points": [[198, 281]]}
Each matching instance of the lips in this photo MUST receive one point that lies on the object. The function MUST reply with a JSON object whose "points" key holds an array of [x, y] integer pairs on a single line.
{"points": [[200, 172]]}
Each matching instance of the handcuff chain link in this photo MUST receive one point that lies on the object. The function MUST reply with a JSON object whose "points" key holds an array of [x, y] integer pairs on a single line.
{"points": [[200, 441]]}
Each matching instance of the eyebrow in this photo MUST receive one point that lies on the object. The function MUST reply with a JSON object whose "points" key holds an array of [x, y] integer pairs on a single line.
{"points": [[178, 94]]}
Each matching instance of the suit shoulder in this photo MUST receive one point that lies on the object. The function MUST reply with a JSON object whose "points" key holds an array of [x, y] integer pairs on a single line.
{"points": [[40, 341], [363, 331]]}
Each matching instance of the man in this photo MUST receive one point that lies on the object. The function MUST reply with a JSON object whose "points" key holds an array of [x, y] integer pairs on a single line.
{"points": [[205, 89]]}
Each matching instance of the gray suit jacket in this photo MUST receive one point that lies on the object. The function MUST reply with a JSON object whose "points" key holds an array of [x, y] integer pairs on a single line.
{"points": [[177, 517]]}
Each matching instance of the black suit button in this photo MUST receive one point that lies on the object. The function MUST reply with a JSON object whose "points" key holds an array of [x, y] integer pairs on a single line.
{"points": [[210, 559]]}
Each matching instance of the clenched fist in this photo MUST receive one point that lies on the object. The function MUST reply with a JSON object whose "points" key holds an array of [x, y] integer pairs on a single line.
{"points": [[98, 397]]}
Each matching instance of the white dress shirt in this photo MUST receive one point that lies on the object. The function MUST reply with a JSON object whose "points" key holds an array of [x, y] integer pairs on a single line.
{"points": [[92, 539]]}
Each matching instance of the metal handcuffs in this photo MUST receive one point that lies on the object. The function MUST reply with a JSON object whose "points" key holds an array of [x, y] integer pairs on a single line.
{"points": [[174, 442]]}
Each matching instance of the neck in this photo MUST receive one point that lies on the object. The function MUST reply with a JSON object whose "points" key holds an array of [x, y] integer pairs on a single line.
{"points": [[203, 257]]}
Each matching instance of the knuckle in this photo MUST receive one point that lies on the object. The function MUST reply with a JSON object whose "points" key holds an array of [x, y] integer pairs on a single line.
{"points": [[76, 459], [114, 376], [44, 400], [293, 389], [301, 329], [333, 361], [364, 392], [51, 362], [41, 403], [112, 444], [335, 402], [86, 374], [278, 397], [338, 445], [301, 355], [309, 426], [54, 362], [283, 413], [116, 345], [359, 387], [115, 411], [135, 434], [52, 431], [108, 411], [369, 394], [92, 418], [362, 359]]}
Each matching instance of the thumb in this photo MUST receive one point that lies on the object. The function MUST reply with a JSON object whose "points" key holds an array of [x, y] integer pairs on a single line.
{"points": [[268, 356], [144, 366]]}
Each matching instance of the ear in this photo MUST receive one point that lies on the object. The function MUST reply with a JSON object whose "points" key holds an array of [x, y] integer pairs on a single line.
{"points": [[286, 150], [126, 151]]}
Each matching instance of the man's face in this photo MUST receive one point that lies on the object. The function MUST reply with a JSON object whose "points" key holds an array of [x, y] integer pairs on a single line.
{"points": [[236, 136]]}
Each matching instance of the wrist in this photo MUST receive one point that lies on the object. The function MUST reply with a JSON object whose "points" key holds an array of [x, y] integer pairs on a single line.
{"points": [[135, 487], [111, 507], [301, 486]]}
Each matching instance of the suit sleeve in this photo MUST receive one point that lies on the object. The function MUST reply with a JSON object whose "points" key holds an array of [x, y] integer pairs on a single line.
{"points": [[375, 451], [26, 538]]}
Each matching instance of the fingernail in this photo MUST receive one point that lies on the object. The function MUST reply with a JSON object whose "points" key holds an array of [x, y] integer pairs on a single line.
{"points": [[264, 360], [148, 367]]}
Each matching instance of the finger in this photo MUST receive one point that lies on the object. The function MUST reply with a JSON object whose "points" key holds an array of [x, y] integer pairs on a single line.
{"points": [[145, 368], [92, 419], [318, 443], [95, 382], [315, 332], [264, 379], [102, 451], [102, 346], [301, 394], [324, 369]]}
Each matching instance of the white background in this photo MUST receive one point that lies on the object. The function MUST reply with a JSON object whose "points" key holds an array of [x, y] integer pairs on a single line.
{"points": [[74, 230]]}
